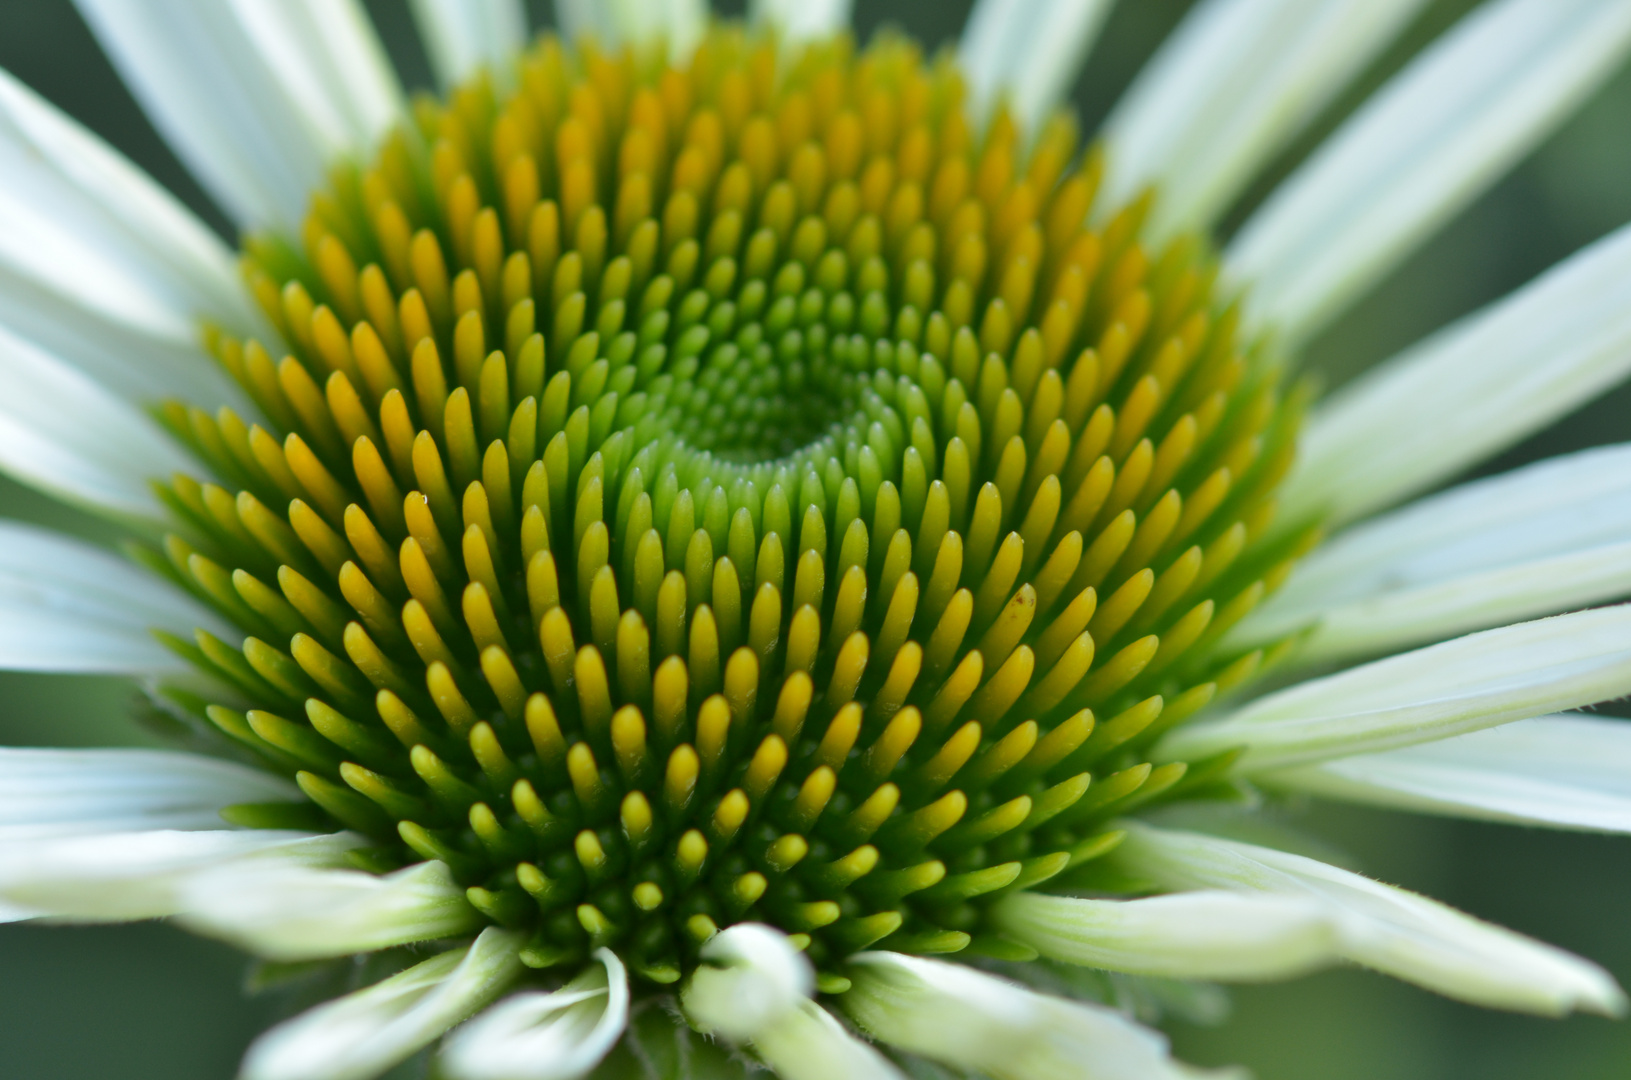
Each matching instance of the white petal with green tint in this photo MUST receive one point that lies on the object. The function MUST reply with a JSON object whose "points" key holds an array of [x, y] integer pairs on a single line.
{"points": [[1027, 53], [1539, 539], [1472, 682], [1227, 89], [120, 876], [1382, 927], [293, 913], [366, 1032], [101, 265], [636, 22], [970, 1020], [61, 432], [68, 606], [1390, 434], [798, 20], [68, 792], [1210, 934], [1424, 146], [557, 1035], [1566, 772], [257, 97], [751, 976], [809, 1044], [463, 35]]}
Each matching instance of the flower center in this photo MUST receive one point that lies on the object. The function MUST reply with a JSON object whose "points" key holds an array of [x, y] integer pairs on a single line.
{"points": [[737, 492]]}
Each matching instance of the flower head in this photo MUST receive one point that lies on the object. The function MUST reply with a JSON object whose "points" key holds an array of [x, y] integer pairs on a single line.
{"points": [[707, 516]]}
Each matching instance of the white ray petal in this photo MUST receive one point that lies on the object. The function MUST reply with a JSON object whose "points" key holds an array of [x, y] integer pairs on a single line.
{"points": [[1472, 682], [463, 35], [807, 1043], [116, 877], [68, 606], [1388, 434], [680, 23], [1210, 934], [1425, 145], [46, 793], [1028, 52], [295, 913], [364, 1033], [1567, 772], [1383, 927], [257, 97], [101, 265], [752, 977], [799, 20], [63, 433], [978, 1022], [1228, 89], [559, 1035]]}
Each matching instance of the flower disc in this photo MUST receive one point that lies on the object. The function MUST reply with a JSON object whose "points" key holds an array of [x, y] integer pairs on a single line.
{"points": [[724, 493]]}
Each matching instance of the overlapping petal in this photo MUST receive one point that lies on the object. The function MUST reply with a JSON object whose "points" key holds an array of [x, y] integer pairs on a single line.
{"points": [[1027, 53], [463, 35]]}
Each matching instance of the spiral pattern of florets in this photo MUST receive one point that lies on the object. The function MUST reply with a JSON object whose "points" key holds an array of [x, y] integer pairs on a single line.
{"points": [[729, 492]]}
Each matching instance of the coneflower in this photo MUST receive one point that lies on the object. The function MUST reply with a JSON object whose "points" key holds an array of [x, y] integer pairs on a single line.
{"points": [[704, 518]]}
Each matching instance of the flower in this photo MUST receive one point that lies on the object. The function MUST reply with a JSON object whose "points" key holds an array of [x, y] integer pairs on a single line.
{"points": [[706, 521]]}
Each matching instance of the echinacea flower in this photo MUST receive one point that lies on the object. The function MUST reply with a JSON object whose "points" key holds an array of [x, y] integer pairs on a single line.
{"points": [[709, 545]]}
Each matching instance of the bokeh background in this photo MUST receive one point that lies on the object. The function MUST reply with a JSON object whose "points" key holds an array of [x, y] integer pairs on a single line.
{"points": [[149, 1001]]}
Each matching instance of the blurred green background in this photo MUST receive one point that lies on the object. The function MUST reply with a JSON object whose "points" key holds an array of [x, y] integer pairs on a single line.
{"points": [[149, 1001]]}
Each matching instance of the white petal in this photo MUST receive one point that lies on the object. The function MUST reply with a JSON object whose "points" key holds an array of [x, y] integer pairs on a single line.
{"points": [[978, 1022], [807, 1043], [1568, 772], [1027, 51], [798, 20], [546, 1036], [257, 97], [1385, 928], [364, 1033], [47, 793], [1473, 682], [115, 877], [1228, 88], [294, 913], [1387, 435], [1190, 935], [68, 606], [463, 35], [101, 265], [1543, 538], [61, 432], [637, 22], [759, 978], [1424, 146]]}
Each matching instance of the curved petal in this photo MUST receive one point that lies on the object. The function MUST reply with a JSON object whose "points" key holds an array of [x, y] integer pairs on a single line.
{"points": [[46, 793], [546, 1036], [1382, 927], [1473, 682], [101, 265], [1027, 51], [1549, 536], [752, 977], [120, 876], [1386, 435], [1424, 146], [809, 1044], [362, 1034], [295, 913], [978, 1022], [68, 606], [800, 20], [1567, 772], [636, 22], [1210, 934], [63, 433], [257, 97], [463, 35], [1228, 89]]}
